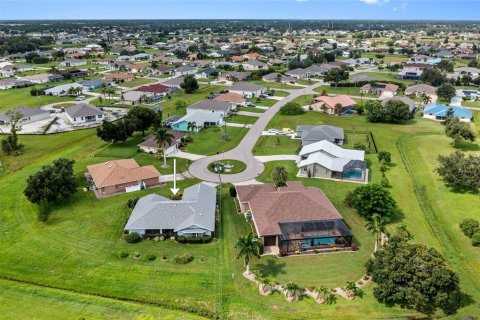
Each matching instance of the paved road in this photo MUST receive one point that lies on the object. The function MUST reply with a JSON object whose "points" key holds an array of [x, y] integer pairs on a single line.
{"points": [[243, 151]]}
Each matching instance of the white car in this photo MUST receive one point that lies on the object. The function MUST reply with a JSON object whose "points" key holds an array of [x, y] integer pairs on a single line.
{"points": [[272, 131], [80, 98]]}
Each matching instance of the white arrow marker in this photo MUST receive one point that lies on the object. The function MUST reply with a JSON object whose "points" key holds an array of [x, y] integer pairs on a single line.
{"points": [[174, 189]]}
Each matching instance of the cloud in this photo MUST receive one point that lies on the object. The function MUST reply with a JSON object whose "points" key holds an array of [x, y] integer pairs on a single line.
{"points": [[402, 7], [374, 1]]}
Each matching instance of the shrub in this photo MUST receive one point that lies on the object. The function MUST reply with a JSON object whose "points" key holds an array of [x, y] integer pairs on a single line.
{"points": [[181, 239], [470, 227], [194, 240], [183, 259], [150, 257], [476, 239], [359, 146], [133, 237], [233, 191], [206, 239], [384, 182], [122, 254], [291, 109], [132, 202]]}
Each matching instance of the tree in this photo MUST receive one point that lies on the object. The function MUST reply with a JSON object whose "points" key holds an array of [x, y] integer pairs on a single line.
{"points": [[384, 156], [141, 118], [248, 247], [458, 130], [338, 108], [336, 75], [376, 226], [191, 126], [189, 84], [469, 227], [413, 276], [426, 99], [180, 105], [280, 176], [118, 131], [395, 111], [460, 172], [433, 76], [164, 139], [292, 109], [372, 200], [51, 184], [10, 144], [446, 91]]}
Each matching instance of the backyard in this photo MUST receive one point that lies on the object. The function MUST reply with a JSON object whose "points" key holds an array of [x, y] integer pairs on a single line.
{"points": [[209, 141]]}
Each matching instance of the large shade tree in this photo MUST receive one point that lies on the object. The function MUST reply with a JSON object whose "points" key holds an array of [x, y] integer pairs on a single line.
{"points": [[142, 118], [372, 201]]}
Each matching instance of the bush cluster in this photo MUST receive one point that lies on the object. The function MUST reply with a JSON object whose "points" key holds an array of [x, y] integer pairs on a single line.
{"points": [[203, 239], [133, 237], [183, 259], [471, 228], [291, 109]]}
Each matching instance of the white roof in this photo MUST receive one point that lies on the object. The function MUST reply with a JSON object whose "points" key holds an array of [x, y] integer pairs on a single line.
{"points": [[64, 87], [329, 155]]}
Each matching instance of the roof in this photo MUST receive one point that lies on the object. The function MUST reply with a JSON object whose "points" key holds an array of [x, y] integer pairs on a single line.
{"points": [[312, 133], [271, 206], [440, 110], [64, 87], [425, 88], [122, 171], [154, 88], [211, 104], [245, 86], [380, 85], [151, 140], [199, 117], [196, 209], [296, 72], [26, 112], [345, 101], [83, 110], [329, 155], [231, 97]]}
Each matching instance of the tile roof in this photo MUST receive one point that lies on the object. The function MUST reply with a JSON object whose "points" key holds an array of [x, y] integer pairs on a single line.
{"points": [[122, 171], [271, 206], [345, 101], [231, 97]]}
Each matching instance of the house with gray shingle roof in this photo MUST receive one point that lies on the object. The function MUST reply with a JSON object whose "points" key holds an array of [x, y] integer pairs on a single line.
{"points": [[29, 115], [314, 133], [82, 113], [192, 216]]}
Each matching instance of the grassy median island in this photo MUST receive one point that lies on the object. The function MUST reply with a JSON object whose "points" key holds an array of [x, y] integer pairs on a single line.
{"points": [[227, 166]]}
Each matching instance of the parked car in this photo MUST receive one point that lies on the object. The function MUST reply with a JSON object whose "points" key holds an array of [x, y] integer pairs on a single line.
{"points": [[272, 131], [263, 96], [80, 98], [251, 105], [288, 131]]}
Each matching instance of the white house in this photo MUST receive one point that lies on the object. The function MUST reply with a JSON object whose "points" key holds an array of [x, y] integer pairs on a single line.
{"points": [[29, 115], [72, 63], [247, 90], [62, 90], [84, 113]]}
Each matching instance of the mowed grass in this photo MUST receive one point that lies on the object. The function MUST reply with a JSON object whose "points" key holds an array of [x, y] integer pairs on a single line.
{"points": [[12, 98], [209, 141], [31, 302], [304, 100], [273, 145], [137, 82], [262, 102], [238, 118]]}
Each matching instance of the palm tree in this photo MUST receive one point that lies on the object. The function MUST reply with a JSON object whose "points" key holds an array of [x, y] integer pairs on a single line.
{"points": [[426, 99], [338, 108], [163, 138], [280, 176], [192, 126], [351, 289], [248, 247], [376, 226]]}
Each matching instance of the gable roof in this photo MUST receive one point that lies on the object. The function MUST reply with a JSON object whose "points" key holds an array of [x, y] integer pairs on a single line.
{"points": [[231, 97], [271, 206], [83, 110], [154, 88], [211, 104], [245, 86], [196, 209], [313, 133], [345, 101], [121, 171], [440, 110]]}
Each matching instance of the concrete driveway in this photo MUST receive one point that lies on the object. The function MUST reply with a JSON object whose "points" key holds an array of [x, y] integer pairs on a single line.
{"points": [[243, 151]]}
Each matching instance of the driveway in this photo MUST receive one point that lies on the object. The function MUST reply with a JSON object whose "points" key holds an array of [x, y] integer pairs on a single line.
{"points": [[243, 151]]}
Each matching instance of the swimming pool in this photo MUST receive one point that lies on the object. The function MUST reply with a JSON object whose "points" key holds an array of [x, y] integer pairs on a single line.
{"points": [[353, 175]]}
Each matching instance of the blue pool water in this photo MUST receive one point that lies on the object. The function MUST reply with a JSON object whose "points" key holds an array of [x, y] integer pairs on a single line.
{"points": [[354, 175]]}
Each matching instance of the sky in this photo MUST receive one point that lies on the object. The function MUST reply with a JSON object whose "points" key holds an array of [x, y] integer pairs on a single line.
{"points": [[241, 9]]}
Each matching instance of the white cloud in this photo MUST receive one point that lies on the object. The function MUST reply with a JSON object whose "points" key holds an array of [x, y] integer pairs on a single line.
{"points": [[374, 1]]}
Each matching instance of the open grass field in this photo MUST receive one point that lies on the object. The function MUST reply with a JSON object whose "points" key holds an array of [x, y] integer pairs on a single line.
{"points": [[250, 109], [262, 102], [12, 98], [33, 302], [209, 141], [77, 249], [305, 99]]}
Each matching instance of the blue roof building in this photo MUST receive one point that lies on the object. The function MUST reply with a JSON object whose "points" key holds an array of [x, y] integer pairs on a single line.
{"points": [[437, 111]]}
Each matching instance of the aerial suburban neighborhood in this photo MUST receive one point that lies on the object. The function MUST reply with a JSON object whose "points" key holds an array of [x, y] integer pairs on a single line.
{"points": [[240, 169]]}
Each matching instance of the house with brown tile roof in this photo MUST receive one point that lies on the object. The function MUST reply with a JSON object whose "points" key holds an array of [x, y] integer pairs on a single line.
{"points": [[293, 218], [328, 104], [231, 97], [118, 176]]}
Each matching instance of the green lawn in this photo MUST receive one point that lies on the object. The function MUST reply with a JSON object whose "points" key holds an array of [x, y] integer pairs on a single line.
{"points": [[209, 141], [12, 98], [262, 102], [249, 109], [305, 99], [272, 145], [473, 104], [280, 93], [238, 118], [137, 82], [35, 302], [349, 91], [275, 85]]}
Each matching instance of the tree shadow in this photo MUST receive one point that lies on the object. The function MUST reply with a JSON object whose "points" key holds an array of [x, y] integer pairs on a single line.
{"points": [[465, 300], [467, 146], [398, 216], [272, 267]]}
